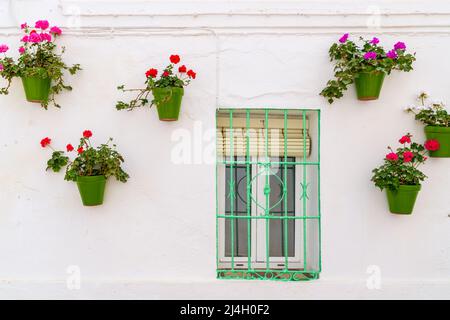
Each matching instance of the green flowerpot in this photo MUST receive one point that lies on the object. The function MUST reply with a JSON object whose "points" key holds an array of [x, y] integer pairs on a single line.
{"points": [[402, 200], [36, 88], [91, 189], [168, 102], [368, 85], [441, 134]]}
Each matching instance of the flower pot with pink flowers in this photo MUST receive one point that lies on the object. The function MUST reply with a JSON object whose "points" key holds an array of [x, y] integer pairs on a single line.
{"points": [[366, 65], [400, 175], [437, 125], [39, 65], [167, 91], [91, 167]]}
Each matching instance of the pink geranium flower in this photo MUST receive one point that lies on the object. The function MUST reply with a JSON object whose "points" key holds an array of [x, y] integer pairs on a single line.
{"points": [[55, 30], [42, 24], [3, 48], [25, 39], [344, 38], [34, 37], [392, 54], [21, 50], [400, 46], [1, 67], [23, 26], [370, 55], [46, 37], [375, 40]]}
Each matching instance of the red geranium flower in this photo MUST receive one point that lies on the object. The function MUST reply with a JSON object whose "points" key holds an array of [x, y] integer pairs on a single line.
{"points": [[182, 69], [69, 147], [80, 150], [191, 74], [392, 156], [432, 145], [151, 73], [165, 74], [408, 156], [45, 142], [87, 134], [405, 139], [174, 58]]}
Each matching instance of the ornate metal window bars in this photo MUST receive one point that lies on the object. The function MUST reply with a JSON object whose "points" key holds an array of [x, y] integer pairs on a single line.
{"points": [[268, 194]]}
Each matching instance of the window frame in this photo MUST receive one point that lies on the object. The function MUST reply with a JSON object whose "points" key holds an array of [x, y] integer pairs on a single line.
{"points": [[258, 234], [310, 170]]}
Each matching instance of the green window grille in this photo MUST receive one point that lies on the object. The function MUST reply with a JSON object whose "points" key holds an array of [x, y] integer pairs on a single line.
{"points": [[268, 194]]}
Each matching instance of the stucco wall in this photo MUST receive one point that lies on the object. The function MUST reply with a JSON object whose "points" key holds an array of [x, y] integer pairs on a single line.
{"points": [[155, 236]]}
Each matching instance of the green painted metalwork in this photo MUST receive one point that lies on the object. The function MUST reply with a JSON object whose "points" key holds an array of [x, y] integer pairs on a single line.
{"points": [[310, 241], [249, 187], [280, 275], [232, 191]]}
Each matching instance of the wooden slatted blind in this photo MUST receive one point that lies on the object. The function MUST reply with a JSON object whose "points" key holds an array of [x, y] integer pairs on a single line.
{"points": [[256, 131]]}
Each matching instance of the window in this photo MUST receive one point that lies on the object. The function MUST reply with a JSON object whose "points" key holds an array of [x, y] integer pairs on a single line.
{"points": [[268, 208]]}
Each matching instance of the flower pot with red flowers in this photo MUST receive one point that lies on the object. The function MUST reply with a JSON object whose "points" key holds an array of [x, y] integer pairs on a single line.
{"points": [[39, 65], [400, 177], [365, 65], [91, 167], [167, 91], [437, 125]]}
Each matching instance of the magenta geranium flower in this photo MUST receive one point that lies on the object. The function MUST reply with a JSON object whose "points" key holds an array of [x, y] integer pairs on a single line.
{"points": [[400, 46], [3, 48], [370, 55], [375, 40], [36, 50], [46, 37], [34, 37], [392, 54], [1, 67], [42, 24], [344, 38], [55, 30]]}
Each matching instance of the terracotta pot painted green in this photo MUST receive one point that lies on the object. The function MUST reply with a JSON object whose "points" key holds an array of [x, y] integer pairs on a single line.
{"points": [[92, 189], [368, 85], [168, 102], [402, 201], [441, 134], [36, 89]]}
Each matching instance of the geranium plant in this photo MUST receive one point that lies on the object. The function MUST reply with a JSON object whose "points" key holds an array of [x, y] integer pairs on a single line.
{"points": [[39, 66], [90, 167], [167, 90], [400, 175], [366, 65], [431, 114], [437, 125]]}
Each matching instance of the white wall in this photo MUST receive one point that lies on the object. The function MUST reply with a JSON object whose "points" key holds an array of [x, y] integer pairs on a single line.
{"points": [[155, 236]]}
